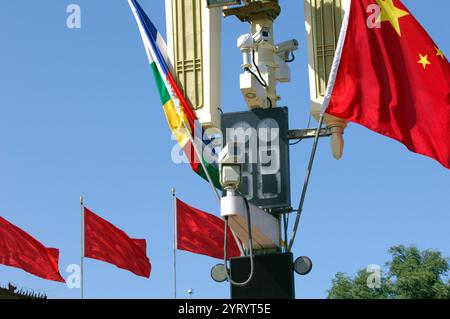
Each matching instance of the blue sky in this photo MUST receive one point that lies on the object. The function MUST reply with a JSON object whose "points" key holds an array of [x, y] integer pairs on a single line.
{"points": [[79, 114]]}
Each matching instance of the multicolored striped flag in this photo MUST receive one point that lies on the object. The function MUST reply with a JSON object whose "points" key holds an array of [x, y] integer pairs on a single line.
{"points": [[181, 118]]}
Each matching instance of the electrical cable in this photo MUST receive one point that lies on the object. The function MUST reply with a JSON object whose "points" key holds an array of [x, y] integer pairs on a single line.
{"points": [[287, 221], [257, 68], [264, 84], [259, 78], [285, 230], [309, 121], [295, 143], [307, 127], [260, 82], [250, 239], [291, 59]]}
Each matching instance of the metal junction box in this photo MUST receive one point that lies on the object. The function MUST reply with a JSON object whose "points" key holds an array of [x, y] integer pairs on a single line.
{"points": [[273, 277]]}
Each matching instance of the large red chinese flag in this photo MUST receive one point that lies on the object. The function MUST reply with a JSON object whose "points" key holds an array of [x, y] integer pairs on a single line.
{"points": [[104, 241], [202, 233], [18, 249], [394, 79]]}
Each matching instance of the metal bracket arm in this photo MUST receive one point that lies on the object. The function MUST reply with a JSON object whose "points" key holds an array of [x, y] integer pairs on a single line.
{"points": [[301, 134]]}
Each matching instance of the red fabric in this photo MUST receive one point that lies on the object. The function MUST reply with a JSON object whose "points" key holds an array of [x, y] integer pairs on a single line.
{"points": [[104, 241], [381, 85], [18, 249], [202, 233]]}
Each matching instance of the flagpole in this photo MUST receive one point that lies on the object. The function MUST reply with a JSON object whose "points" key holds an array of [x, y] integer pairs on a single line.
{"points": [[174, 243], [153, 56], [82, 248], [326, 102]]}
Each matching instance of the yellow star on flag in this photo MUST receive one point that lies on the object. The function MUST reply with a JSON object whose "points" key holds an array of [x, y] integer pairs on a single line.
{"points": [[424, 60], [391, 13], [439, 53]]}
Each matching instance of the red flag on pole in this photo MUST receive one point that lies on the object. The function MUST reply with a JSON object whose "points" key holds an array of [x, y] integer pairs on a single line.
{"points": [[104, 241], [202, 233], [393, 79], [18, 249]]}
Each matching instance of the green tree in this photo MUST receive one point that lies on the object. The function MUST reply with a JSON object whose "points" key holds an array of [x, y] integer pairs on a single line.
{"points": [[412, 274]]}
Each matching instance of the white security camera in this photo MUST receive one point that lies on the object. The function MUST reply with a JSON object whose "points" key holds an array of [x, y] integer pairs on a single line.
{"points": [[245, 42], [262, 35], [231, 159], [284, 49]]}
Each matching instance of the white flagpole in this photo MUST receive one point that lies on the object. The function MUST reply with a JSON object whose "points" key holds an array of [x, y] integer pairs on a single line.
{"points": [[153, 56], [326, 102], [174, 243], [82, 247]]}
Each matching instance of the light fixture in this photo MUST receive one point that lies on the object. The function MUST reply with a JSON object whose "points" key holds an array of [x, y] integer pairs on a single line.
{"points": [[303, 265], [219, 273]]}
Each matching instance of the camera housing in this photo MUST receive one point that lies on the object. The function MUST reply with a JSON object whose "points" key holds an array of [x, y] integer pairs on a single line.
{"points": [[284, 49], [231, 159]]}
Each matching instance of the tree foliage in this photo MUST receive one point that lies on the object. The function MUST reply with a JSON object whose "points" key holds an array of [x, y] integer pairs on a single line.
{"points": [[411, 274]]}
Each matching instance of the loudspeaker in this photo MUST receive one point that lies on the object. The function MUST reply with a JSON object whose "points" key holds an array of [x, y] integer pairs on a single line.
{"points": [[273, 277]]}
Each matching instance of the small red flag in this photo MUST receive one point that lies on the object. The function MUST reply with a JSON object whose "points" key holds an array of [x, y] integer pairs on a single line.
{"points": [[202, 233], [18, 249], [393, 79], [104, 241]]}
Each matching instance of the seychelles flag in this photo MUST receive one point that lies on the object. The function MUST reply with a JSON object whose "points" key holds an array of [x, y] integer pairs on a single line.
{"points": [[181, 118]]}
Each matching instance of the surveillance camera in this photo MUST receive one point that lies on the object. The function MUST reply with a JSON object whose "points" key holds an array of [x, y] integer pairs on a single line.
{"points": [[232, 153], [285, 48], [262, 35], [230, 165], [245, 42]]}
